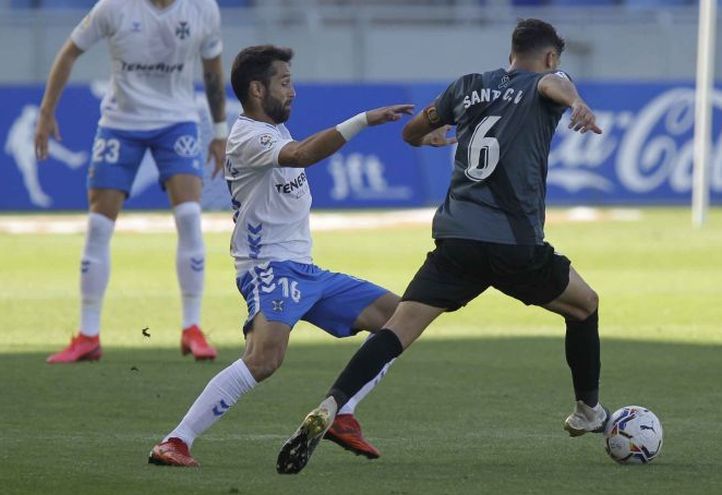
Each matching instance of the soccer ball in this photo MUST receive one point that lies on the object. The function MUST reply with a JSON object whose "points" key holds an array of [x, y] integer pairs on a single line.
{"points": [[633, 435]]}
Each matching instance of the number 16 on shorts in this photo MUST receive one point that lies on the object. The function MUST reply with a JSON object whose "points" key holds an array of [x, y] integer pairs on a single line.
{"points": [[289, 288]]}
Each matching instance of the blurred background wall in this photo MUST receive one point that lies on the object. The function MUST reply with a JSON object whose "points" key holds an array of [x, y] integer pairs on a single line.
{"points": [[396, 40], [634, 61]]}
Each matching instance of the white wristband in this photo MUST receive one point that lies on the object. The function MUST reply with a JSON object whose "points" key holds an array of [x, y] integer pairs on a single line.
{"points": [[220, 130], [349, 128]]}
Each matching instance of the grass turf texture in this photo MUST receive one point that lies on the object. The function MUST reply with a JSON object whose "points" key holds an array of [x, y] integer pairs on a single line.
{"points": [[475, 406]]}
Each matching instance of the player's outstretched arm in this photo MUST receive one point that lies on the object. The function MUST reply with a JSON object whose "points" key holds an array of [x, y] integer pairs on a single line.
{"points": [[560, 89], [58, 78], [426, 129], [216, 95], [325, 143]]}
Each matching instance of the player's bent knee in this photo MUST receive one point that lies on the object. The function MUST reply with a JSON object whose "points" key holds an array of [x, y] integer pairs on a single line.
{"points": [[262, 370], [591, 303], [263, 364], [584, 308]]}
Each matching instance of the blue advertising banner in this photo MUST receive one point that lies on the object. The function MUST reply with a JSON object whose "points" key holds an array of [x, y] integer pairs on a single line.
{"points": [[645, 153], [643, 157]]}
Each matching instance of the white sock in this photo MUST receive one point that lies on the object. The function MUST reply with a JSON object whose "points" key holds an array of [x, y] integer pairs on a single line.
{"points": [[190, 260], [94, 272], [219, 395], [350, 406]]}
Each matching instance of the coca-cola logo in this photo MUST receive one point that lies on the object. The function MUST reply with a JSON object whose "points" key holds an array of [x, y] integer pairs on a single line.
{"points": [[638, 153]]}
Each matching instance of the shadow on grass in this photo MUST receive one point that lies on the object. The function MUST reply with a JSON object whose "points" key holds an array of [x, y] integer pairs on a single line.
{"points": [[452, 415]]}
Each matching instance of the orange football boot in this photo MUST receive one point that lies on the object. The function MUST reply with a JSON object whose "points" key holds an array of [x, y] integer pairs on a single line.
{"points": [[81, 348], [173, 452], [194, 342], [346, 432]]}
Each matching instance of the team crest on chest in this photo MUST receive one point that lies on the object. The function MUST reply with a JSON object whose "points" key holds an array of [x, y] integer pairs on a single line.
{"points": [[183, 30]]}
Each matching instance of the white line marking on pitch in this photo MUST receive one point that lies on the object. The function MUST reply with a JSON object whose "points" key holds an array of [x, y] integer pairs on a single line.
{"points": [[155, 223]]}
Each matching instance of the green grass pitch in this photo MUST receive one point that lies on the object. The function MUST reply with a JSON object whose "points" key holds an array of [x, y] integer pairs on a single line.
{"points": [[476, 406]]}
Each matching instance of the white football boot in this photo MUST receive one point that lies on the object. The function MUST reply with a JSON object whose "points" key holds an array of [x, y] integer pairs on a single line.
{"points": [[586, 419]]}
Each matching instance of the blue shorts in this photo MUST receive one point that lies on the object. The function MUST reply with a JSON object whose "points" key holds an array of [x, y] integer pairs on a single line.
{"points": [[287, 292], [117, 154]]}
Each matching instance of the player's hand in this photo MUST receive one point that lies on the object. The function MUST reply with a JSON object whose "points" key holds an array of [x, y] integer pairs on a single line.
{"points": [[583, 118], [438, 137], [46, 126], [217, 153], [388, 114]]}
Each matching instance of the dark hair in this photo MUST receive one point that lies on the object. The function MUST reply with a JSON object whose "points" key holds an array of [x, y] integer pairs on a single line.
{"points": [[254, 64], [533, 35]]}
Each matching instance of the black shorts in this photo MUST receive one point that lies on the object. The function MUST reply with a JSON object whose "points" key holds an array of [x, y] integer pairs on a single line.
{"points": [[458, 270]]}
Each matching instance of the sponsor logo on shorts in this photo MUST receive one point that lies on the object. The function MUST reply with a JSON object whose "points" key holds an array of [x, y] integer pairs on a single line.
{"points": [[277, 305], [187, 146]]}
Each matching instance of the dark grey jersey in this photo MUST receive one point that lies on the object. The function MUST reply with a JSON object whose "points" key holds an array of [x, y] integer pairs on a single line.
{"points": [[498, 187]]}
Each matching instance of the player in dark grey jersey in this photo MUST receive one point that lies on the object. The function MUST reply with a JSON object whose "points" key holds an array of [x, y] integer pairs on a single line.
{"points": [[489, 231]]}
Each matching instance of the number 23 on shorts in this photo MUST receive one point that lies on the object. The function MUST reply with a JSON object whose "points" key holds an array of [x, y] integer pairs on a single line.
{"points": [[106, 150]]}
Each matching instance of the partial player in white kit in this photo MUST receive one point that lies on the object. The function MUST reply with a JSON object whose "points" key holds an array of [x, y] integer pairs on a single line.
{"points": [[154, 46], [271, 246]]}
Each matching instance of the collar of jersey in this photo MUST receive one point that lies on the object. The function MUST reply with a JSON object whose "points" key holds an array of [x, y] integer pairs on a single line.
{"points": [[164, 11], [242, 116]]}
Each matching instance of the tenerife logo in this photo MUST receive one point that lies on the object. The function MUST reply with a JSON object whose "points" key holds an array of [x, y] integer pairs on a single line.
{"points": [[277, 305], [160, 67], [187, 146], [135, 27], [183, 31], [297, 187]]}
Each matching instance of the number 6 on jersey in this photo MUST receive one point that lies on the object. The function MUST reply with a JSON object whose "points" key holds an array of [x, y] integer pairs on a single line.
{"points": [[483, 152]]}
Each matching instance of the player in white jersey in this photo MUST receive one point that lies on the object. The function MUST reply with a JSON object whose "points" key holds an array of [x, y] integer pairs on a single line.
{"points": [[271, 246], [153, 45]]}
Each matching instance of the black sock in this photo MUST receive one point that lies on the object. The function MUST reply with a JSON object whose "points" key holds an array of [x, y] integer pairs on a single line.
{"points": [[582, 350], [368, 362]]}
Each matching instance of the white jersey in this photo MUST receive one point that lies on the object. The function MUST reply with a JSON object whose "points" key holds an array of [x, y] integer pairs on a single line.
{"points": [[272, 203], [153, 54]]}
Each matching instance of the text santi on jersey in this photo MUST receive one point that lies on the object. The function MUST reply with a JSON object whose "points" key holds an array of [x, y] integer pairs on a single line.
{"points": [[486, 95]]}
